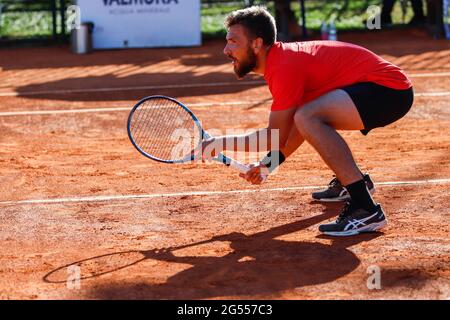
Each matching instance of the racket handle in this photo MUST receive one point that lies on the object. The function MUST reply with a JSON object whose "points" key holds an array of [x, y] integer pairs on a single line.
{"points": [[233, 163]]}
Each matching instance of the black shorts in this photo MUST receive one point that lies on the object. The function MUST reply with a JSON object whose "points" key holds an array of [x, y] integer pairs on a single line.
{"points": [[378, 105]]}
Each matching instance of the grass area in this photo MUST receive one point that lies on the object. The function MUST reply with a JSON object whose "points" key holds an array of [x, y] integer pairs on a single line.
{"points": [[347, 17], [212, 19], [26, 24]]}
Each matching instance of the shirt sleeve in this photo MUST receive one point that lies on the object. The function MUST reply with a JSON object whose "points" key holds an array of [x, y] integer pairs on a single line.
{"points": [[287, 88]]}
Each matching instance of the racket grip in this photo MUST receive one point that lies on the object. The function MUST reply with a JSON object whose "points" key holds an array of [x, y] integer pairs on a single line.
{"points": [[233, 163], [239, 166]]}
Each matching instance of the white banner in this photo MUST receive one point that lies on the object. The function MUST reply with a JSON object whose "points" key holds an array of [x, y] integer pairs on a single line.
{"points": [[142, 23]]}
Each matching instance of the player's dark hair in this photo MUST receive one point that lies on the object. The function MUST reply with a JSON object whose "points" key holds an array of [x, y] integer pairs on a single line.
{"points": [[258, 22]]}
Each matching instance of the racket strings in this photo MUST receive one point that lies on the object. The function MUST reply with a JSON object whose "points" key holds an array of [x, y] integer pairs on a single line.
{"points": [[150, 123], [164, 129]]}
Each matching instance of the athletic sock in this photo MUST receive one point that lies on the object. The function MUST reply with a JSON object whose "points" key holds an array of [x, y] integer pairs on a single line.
{"points": [[360, 195]]}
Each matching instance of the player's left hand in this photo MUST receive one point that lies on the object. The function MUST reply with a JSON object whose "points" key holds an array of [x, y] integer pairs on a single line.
{"points": [[257, 174]]}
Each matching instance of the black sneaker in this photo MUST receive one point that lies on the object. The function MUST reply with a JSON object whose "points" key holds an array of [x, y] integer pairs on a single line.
{"points": [[354, 220], [336, 192]]}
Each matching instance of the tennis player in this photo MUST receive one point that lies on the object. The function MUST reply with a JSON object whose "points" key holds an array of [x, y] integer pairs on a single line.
{"points": [[317, 87]]}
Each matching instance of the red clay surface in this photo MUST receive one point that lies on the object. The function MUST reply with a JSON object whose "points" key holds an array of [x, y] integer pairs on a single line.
{"points": [[255, 245]]}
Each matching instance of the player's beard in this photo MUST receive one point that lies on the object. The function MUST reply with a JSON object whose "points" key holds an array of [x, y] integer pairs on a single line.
{"points": [[244, 67]]}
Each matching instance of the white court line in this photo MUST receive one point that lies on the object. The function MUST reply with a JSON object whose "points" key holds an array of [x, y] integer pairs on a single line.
{"points": [[51, 112], [171, 86], [429, 75], [196, 105], [202, 193], [432, 94], [114, 109], [175, 86]]}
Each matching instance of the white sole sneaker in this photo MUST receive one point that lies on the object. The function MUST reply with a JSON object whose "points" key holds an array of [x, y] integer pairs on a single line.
{"points": [[369, 228]]}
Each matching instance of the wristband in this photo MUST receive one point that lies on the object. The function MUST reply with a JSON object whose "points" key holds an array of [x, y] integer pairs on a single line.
{"points": [[273, 159]]}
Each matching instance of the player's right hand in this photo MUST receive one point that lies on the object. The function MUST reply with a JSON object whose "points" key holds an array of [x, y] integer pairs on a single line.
{"points": [[257, 174]]}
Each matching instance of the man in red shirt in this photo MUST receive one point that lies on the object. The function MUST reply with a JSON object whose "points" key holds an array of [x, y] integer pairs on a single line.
{"points": [[318, 87]]}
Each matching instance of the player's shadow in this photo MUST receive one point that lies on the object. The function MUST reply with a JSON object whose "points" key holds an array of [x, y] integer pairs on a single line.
{"points": [[258, 264]]}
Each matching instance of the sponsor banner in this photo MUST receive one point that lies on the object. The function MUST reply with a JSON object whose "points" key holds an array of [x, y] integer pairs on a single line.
{"points": [[142, 23]]}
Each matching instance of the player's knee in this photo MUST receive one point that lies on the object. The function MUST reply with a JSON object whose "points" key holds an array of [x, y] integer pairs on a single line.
{"points": [[304, 115]]}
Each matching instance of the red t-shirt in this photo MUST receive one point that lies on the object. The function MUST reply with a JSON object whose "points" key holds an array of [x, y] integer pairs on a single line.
{"points": [[299, 72]]}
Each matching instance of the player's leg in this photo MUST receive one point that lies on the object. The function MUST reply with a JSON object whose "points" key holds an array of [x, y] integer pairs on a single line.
{"points": [[362, 106], [295, 140], [336, 192], [318, 121], [346, 119]]}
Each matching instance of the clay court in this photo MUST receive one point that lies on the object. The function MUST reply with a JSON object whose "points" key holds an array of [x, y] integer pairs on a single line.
{"points": [[76, 196]]}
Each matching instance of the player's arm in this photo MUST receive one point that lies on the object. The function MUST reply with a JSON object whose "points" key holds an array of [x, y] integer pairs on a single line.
{"points": [[259, 172], [275, 135]]}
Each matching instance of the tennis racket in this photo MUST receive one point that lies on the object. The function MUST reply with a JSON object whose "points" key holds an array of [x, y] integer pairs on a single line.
{"points": [[165, 130]]}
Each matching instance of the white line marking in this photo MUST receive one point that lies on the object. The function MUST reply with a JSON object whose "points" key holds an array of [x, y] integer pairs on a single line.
{"points": [[429, 75], [114, 109], [202, 193], [433, 94], [194, 105], [175, 86], [160, 87], [51, 112]]}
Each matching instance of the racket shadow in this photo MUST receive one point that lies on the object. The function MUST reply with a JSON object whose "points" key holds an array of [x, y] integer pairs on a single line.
{"points": [[96, 266]]}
